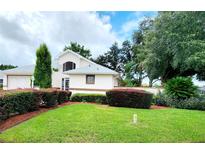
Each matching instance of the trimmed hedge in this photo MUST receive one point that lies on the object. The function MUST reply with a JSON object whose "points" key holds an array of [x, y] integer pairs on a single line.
{"points": [[48, 98], [63, 96], [129, 98], [97, 98], [23, 101], [52, 97], [18, 103]]}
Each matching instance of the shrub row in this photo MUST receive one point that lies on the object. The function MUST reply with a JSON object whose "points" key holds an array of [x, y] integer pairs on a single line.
{"points": [[193, 103], [97, 98], [129, 98], [19, 102], [118, 97]]}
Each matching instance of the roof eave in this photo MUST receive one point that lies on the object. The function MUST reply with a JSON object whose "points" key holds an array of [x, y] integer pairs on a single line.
{"points": [[83, 73]]}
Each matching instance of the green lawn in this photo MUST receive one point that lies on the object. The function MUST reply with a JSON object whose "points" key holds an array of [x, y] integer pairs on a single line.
{"points": [[100, 123]]}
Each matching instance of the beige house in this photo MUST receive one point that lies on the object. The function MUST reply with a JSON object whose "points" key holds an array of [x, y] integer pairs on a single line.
{"points": [[72, 72]]}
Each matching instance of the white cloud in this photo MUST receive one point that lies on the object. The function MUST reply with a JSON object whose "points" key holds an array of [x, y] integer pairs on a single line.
{"points": [[130, 26], [21, 33], [133, 24], [106, 19]]}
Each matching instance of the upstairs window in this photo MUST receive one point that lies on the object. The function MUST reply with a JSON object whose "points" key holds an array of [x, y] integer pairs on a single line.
{"points": [[68, 66]]}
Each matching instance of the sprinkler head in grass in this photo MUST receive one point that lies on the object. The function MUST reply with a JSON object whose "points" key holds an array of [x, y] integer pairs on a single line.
{"points": [[134, 119]]}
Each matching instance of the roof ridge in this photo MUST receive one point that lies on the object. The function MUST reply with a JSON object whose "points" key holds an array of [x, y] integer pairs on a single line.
{"points": [[68, 50]]}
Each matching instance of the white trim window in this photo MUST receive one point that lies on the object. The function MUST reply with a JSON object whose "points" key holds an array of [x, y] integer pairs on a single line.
{"points": [[68, 66], [90, 79]]}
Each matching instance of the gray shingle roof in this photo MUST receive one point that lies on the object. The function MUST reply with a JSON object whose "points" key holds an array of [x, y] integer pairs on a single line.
{"points": [[23, 70], [92, 69]]}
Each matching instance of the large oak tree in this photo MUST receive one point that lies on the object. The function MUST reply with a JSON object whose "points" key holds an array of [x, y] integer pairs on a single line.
{"points": [[175, 45]]}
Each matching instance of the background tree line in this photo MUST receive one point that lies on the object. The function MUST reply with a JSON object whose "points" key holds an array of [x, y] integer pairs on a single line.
{"points": [[172, 44], [6, 67]]}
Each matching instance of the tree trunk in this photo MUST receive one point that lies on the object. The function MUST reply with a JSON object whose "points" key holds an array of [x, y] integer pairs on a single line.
{"points": [[150, 83]]}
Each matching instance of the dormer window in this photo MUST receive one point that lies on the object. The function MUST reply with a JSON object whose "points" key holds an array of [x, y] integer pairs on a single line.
{"points": [[68, 66]]}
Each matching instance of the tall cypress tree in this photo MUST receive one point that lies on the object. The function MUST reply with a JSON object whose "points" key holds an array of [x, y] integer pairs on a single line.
{"points": [[43, 70]]}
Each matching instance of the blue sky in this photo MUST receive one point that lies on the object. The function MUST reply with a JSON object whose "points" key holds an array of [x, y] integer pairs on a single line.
{"points": [[125, 22]]}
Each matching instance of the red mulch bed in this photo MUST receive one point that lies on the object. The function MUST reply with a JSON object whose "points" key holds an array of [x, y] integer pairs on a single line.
{"points": [[158, 107], [15, 120]]}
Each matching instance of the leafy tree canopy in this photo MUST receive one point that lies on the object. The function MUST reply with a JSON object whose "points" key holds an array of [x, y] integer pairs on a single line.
{"points": [[111, 58], [175, 45], [134, 67], [74, 46]]}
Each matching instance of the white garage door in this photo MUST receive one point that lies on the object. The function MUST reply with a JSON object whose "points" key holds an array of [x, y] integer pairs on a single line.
{"points": [[15, 82]]}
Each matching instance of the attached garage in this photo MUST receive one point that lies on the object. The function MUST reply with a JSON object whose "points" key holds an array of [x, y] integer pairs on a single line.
{"points": [[15, 82], [20, 77]]}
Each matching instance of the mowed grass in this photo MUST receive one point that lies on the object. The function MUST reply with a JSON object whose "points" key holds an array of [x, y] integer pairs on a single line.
{"points": [[100, 123]]}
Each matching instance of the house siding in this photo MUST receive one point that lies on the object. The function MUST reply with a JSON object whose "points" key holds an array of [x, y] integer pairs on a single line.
{"points": [[101, 82]]}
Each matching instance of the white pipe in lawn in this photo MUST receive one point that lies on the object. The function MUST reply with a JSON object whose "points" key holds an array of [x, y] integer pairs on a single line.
{"points": [[134, 120]]}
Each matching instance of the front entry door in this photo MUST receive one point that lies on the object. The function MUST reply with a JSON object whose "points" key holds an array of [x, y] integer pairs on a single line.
{"points": [[67, 84]]}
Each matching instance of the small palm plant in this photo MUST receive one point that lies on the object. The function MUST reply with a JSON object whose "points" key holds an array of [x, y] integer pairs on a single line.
{"points": [[180, 88]]}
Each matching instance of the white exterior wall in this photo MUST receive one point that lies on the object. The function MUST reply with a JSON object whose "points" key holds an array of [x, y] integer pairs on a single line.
{"points": [[69, 57], [83, 63], [57, 76], [101, 82], [56, 79], [87, 92], [115, 81]]}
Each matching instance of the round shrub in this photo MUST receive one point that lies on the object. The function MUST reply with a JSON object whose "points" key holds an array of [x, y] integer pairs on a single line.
{"points": [[180, 88], [129, 98]]}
